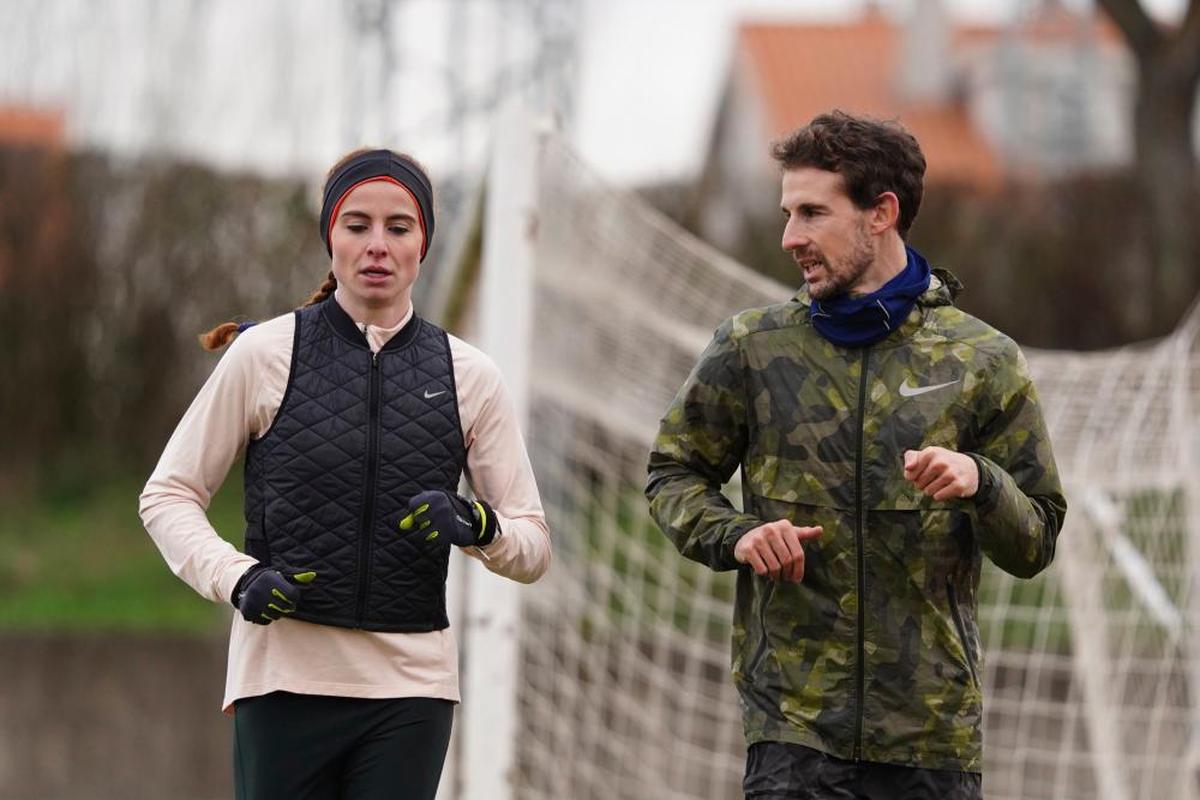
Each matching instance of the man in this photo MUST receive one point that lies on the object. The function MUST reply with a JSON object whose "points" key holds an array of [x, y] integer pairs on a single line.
{"points": [[886, 441]]}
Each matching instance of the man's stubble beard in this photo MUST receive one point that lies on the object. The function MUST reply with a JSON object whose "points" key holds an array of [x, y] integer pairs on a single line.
{"points": [[850, 269]]}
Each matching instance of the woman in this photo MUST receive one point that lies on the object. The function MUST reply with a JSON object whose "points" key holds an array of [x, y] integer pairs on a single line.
{"points": [[358, 419]]}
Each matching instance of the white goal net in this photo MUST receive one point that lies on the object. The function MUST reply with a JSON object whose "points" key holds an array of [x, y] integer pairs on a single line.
{"points": [[623, 688]]}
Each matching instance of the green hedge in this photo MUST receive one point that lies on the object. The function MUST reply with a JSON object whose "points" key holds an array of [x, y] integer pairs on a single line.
{"points": [[79, 559]]}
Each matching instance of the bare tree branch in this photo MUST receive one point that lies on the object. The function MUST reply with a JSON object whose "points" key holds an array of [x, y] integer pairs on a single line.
{"points": [[1191, 19], [1142, 32], [1187, 42]]}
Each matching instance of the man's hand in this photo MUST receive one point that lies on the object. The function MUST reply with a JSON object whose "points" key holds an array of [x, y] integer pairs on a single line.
{"points": [[940, 473], [264, 595], [445, 517], [775, 549]]}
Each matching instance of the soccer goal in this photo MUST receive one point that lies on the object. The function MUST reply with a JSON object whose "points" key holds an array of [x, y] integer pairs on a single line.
{"points": [[610, 677]]}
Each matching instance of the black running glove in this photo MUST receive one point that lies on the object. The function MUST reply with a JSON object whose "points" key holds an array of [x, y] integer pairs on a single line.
{"points": [[445, 517], [264, 595]]}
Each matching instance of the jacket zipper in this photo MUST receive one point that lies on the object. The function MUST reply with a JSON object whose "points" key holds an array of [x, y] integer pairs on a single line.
{"points": [[756, 660], [365, 537], [859, 524], [962, 628]]}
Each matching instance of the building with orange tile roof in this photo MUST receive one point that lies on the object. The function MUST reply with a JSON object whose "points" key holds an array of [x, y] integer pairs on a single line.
{"points": [[1044, 96], [26, 126]]}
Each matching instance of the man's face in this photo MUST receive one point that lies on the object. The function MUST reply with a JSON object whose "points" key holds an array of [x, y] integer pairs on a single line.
{"points": [[827, 235]]}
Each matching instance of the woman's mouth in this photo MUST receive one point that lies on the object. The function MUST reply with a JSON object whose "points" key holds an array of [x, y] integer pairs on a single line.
{"points": [[374, 273]]}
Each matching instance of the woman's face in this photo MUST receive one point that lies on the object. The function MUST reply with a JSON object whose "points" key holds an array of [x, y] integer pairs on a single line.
{"points": [[376, 241]]}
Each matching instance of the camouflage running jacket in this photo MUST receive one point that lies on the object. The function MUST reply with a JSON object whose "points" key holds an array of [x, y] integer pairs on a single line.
{"points": [[876, 654]]}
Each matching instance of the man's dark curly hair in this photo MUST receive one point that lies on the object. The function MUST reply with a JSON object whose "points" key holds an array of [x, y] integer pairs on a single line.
{"points": [[872, 157]]}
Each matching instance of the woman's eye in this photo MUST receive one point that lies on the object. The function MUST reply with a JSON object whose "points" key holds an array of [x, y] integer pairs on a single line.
{"points": [[356, 227], [399, 229]]}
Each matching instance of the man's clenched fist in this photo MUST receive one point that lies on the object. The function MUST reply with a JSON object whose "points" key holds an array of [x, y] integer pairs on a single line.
{"points": [[940, 473], [775, 549]]}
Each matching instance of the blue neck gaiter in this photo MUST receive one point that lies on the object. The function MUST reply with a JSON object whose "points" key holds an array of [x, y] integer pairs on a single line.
{"points": [[860, 321]]}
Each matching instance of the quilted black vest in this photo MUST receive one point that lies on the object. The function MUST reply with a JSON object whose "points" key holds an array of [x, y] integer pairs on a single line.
{"points": [[355, 437]]}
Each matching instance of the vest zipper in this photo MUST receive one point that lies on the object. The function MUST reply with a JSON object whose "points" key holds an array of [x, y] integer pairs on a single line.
{"points": [[859, 547], [367, 525]]}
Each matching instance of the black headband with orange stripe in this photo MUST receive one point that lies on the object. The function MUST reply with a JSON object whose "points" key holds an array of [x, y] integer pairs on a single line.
{"points": [[378, 165]]}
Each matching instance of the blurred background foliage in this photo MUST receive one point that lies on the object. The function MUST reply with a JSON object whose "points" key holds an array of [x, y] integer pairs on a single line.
{"points": [[108, 271]]}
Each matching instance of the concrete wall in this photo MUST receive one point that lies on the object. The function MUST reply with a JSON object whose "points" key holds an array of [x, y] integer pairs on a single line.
{"points": [[96, 717]]}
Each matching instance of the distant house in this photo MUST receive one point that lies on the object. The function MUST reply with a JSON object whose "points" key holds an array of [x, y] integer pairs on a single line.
{"points": [[25, 126], [27, 129], [1045, 96]]}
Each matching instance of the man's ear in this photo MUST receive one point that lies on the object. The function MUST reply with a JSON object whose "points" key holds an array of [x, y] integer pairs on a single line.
{"points": [[885, 213]]}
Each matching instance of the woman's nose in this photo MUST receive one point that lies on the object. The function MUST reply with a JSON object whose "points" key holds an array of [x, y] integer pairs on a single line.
{"points": [[377, 245]]}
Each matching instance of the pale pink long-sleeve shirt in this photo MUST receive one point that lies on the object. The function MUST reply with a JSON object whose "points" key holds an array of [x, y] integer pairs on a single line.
{"points": [[238, 403]]}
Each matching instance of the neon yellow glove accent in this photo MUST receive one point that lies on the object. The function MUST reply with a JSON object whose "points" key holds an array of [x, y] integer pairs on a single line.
{"points": [[482, 516], [407, 523]]}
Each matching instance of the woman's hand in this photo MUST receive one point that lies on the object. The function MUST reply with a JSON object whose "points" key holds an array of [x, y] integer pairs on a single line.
{"points": [[447, 517]]}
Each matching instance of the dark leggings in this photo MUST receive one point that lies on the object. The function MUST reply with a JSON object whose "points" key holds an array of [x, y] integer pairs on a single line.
{"points": [[312, 747]]}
